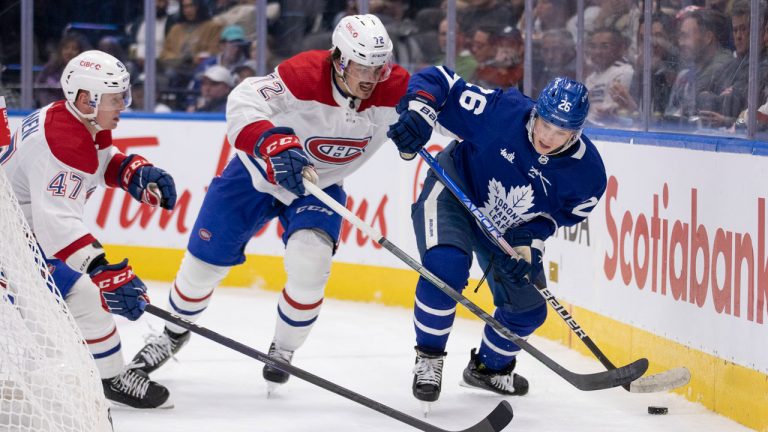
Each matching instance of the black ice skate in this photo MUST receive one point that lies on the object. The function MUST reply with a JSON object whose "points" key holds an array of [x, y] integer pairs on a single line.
{"points": [[427, 377], [159, 349], [134, 389], [503, 382], [275, 376]]}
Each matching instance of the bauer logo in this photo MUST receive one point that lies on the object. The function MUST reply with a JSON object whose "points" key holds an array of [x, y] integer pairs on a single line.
{"points": [[336, 151]]}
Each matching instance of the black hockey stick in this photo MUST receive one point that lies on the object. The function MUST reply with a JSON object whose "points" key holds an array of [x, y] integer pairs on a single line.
{"points": [[663, 381], [497, 420], [596, 381]]}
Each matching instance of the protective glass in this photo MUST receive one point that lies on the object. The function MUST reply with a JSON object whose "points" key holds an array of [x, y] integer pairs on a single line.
{"points": [[115, 101], [369, 73]]}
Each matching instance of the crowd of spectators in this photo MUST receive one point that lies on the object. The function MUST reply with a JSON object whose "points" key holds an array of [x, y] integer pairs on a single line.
{"points": [[699, 49]]}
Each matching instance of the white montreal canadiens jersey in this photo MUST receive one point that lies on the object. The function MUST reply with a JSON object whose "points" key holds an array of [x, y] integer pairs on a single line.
{"points": [[54, 165], [300, 94]]}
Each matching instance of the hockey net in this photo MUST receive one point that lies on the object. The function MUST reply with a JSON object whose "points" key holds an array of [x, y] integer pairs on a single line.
{"points": [[48, 379]]}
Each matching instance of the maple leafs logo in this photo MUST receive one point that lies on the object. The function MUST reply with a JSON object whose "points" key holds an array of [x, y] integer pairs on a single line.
{"points": [[507, 209]]}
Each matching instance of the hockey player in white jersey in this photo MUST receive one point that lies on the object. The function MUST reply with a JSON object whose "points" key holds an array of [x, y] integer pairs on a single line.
{"points": [[324, 112], [56, 159]]}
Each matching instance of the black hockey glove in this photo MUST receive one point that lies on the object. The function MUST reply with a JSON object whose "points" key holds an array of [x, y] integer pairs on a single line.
{"points": [[517, 272]]}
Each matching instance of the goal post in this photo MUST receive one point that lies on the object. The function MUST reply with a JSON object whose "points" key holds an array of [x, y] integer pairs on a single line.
{"points": [[48, 378]]}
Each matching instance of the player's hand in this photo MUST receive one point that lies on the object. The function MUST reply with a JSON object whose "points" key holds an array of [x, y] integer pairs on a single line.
{"points": [[147, 183], [286, 160], [414, 127], [122, 292]]}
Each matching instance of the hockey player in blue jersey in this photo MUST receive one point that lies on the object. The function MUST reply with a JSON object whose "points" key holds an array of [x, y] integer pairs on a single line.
{"points": [[528, 167]]}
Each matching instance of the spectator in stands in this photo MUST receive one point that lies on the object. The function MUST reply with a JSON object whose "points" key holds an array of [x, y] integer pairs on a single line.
{"points": [[493, 13], [607, 50], [12, 100], [137, 96], [137, 32], [729, 97], [505, 69], [664, 63], [482, 47], [622, 15], [297, 18], [243, 14], [47, 83], [191, 40], [465, 64], [557, 51], [111, 45], [246, 70], [551, 15], [233, 49], [216, 84], [704, 58]]}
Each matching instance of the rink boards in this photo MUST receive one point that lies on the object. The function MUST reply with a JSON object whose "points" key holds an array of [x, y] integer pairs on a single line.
{"points": [[671, 265]]}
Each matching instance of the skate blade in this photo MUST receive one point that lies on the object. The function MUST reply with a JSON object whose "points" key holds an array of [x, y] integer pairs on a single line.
{"points": [[426, 408], [166, 405]]}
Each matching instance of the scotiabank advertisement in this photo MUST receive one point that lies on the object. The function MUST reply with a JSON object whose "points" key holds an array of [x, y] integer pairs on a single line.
{"points": [[677, 246]]}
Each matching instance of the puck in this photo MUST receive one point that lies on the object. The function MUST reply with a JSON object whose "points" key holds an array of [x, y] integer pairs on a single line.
{"points": [[657, 410]]}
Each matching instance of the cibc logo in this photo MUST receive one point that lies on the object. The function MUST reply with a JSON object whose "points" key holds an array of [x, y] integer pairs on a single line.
{"points": [[88, 64], [351, 30]]}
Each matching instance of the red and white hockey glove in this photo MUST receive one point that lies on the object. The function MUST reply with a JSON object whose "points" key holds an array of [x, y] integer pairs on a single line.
{"points": [[282, 151], [122, 292], [147, 183]]}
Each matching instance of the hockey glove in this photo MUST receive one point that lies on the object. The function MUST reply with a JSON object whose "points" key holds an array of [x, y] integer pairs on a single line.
{"points": [[282, 151], [414, 127], [122, 292], [516, 272], [147, 183]]}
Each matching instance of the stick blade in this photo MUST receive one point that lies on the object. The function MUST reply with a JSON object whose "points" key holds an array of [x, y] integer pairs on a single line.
{"points": [[496, 421], [661, 382], [611, 378]]}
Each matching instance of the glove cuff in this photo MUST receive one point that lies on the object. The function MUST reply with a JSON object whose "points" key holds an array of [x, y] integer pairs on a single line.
{"points": [[128, 168], [276, 140], [424, 110]]}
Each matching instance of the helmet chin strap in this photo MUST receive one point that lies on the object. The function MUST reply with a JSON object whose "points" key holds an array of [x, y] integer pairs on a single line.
{"points": [[574, 139], [90, 118], [349, 93]]}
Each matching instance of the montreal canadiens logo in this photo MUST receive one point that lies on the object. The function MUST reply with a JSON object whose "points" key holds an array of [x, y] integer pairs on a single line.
{"points": [[204, 234], [336, 151]]}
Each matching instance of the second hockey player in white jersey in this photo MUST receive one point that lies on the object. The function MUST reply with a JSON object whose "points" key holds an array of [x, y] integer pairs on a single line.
{"points": [[56, 159], [281, 124]]}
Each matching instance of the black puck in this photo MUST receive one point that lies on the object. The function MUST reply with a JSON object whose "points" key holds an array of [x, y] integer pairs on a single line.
{"points": [[657, 410]]}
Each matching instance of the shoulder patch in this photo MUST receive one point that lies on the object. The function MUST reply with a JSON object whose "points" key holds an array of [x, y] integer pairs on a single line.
{"points": [[389, 92], [308, 76], [69, 139]]}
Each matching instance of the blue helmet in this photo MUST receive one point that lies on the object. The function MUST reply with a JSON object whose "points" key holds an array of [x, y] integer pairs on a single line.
{"points": [[564, 103]]}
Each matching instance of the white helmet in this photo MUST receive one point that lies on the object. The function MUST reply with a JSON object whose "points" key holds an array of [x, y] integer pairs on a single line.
{"points": [[364, 40], [98, 73]]}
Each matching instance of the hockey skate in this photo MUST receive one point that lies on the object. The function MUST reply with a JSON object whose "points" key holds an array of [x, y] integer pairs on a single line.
{"points": [[275, 377], [134, 389], [504, 382], [427, 378], [158, 350]]}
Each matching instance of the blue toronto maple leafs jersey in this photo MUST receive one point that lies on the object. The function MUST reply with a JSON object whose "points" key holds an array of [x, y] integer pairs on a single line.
{"points": [[506, 178]]}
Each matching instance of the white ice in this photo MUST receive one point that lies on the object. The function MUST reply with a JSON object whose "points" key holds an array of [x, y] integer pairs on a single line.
{"points": [[368, 348]]}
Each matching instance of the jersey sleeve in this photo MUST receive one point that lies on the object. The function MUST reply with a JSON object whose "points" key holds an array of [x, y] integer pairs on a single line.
{"points": [[250, 108], [57, 201], [466, 110]]}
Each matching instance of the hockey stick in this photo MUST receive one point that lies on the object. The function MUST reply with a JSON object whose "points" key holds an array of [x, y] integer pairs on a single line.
{"points": [[497, 420], [596, 381], [663, 381]]}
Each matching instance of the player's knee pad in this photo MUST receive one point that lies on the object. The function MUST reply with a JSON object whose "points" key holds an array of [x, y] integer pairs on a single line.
{"points": [[307, 262], [523, 323], [451, 265], [196, 278]]}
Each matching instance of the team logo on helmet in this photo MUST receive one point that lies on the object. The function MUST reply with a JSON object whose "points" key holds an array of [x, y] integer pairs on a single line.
{"points": [[336, 151]]}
